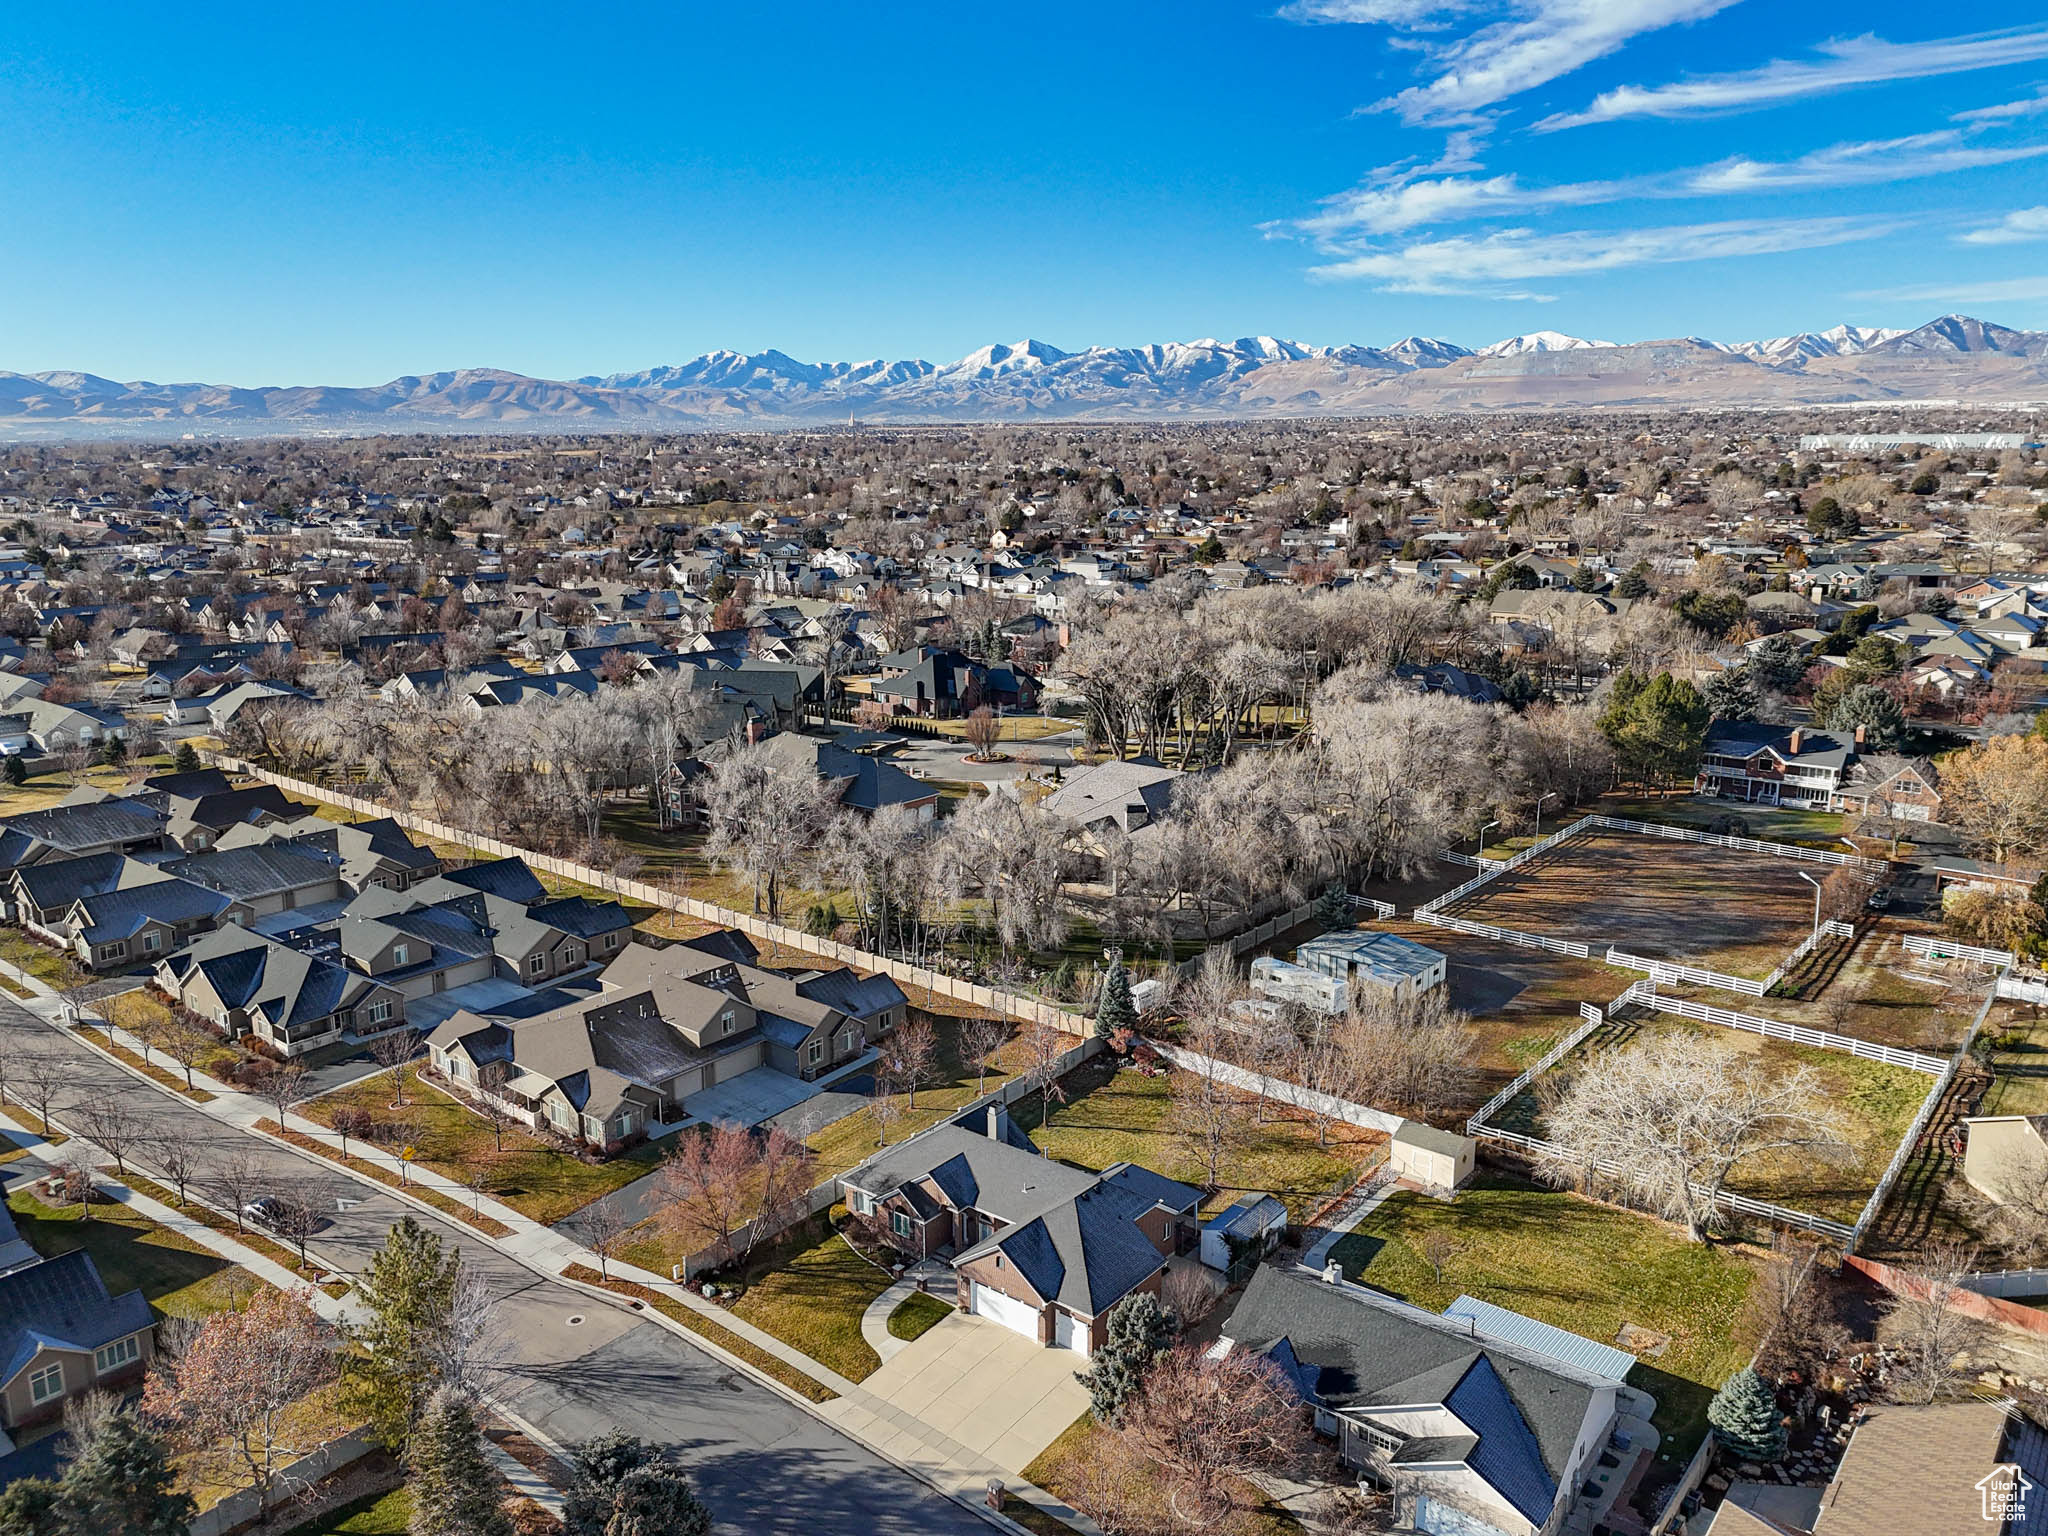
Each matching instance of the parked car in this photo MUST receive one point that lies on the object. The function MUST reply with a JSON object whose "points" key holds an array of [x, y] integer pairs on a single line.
{"points": [[1878, 900], [284, 1217]]}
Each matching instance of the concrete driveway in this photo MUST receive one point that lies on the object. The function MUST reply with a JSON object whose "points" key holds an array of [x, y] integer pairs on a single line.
{"points": [[1000, 1395]]}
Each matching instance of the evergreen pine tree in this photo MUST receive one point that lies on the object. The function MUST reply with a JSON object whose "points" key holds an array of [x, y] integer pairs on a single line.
{"points": [[655, 1500], [601, 1465], [408, 1290], [1731, 695], [185, 760], [1746, 1420], [1114, 1010], [122, 1482], [29, 1507], [454, 1489], [1139, 1332], [1635, 581], [16, 771], [1333, 909]]}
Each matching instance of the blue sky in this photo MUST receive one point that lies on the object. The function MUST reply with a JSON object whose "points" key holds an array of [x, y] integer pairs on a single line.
{"points": [[276, 195]]}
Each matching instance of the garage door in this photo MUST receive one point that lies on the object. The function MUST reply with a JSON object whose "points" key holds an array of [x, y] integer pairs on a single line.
{"points": [[1069, 1334], [1008, 1311]]}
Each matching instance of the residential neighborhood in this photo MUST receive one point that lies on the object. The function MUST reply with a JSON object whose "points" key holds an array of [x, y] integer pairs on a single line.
{"points": [[1495, 975]]}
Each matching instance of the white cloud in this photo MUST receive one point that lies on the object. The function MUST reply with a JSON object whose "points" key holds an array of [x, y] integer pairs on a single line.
{"points": [[1845, 62], [1394, 204], [2005, 111], [1541, 40], [1488, 265], [2013, 290], [2019, 225], [1844, 165]]}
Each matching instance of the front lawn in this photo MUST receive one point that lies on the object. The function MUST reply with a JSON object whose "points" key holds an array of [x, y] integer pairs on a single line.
{"points": [[917, 1316], [812, 1299], [47, 965], [535, 1178], [2018, 1049], [179, 1277], [1117, 1116], [1575, 1264]]}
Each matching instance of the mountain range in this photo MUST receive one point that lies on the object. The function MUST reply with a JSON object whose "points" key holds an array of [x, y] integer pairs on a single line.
{"points": [[1952, 359]]}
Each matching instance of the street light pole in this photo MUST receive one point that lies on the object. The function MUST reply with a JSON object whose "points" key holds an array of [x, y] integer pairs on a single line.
{"points": [[1539, 813], [1480, 851], [1816, 899]]}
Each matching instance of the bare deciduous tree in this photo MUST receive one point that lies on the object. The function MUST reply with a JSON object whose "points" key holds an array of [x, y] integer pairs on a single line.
{"points": [[1933, 1336], [1207, 1424], [1677, 1115], [978, 1040]]}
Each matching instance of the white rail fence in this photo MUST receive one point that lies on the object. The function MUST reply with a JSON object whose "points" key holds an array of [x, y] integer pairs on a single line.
{"points": [[1918, 1128], [1725, 1199], [1476, 1126], [1671, 970], [1646, 994], [1746, 844], [1831, 929], [1382, 910], [1570, 947], [1931, 948], [1028, 1009]]}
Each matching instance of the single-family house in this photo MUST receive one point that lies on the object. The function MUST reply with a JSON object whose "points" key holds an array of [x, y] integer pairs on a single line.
{"points": [[1486, 1423], [63, 1334]]}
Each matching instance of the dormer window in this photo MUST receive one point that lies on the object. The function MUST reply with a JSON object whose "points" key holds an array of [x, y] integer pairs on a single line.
{"points": [[399, 954], [725, 1022]]}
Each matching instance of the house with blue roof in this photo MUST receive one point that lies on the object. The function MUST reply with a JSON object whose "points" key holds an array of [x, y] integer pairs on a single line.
{"points": [[62, 1334], [1483, 1423]]}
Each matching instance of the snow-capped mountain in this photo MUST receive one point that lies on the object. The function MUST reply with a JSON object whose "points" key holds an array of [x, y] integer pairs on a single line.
{"points": [[1539, 341], [1427, 351], [1841, 341], [1955, 357]]}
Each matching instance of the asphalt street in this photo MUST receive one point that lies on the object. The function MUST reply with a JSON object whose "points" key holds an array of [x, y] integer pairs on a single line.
{"points": [[572, 1365]]}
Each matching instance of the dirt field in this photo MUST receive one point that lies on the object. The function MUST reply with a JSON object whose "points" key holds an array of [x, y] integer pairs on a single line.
{"points": [[1520, 1000], [1874, 1104], [1718, 907]]}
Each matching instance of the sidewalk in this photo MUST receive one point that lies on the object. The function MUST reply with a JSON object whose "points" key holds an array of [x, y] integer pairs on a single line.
{"points": [[921, 1449], [1363, 1200]]}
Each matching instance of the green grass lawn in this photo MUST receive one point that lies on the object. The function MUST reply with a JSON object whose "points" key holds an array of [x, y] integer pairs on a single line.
{"points": [[178, 1276], [1115, 1116], [39, 960], [534, 1178], [2019, 1064], [44, 790], [812, 1298], [1578, 1265], [917, 1316], [376, 1514], [1766, 823], [1873, 1103]]}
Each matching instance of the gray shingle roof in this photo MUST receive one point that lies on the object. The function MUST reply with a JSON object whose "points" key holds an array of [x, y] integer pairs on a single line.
{"points": [[62, 1303]]}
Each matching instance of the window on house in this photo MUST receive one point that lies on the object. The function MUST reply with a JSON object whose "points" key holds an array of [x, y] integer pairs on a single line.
{"points": [[611, 941], [152, 941], [399, 954], [112, 951], [725, 1022], [111, 1357], [46, 1383], [899, 1223], [561, 1113], [1383, 1442], [817, 1051], [572, 955], [379, 1012], [537, 964]]}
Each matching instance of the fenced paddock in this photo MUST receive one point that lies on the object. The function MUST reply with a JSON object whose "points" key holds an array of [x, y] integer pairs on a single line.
{"points": [[1881, 1105], [1719, 903]]}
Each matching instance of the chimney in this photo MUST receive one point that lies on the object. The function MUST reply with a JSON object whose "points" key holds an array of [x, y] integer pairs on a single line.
{"points": [[1798, 740], [753, 732], [1859, 736]]}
